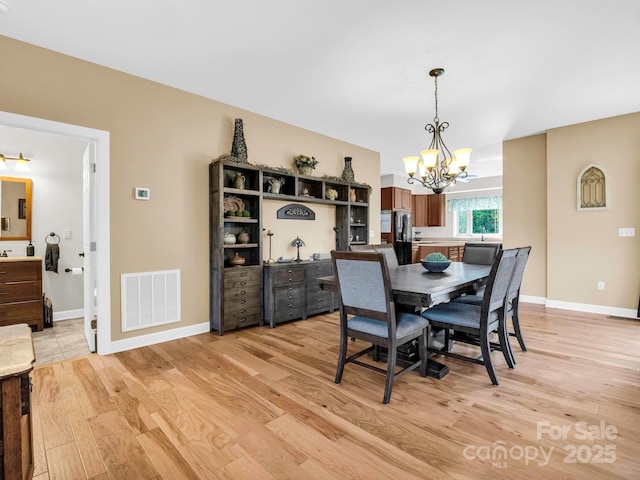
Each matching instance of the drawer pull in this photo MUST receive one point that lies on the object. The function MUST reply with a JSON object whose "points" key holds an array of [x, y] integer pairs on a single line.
{"points": [[288, 271], [243, 274], [290, 305], [290, 297], [290, 313], [243, 283], [242, 292], [242, 320], [244, 310], [243, 301]]}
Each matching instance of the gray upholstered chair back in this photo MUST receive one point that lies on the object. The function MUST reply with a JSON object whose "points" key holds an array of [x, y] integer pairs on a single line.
{"points": [[499, 279], [363, 284], [481, 253], [384, 248], [518, 273], [389, 253]]}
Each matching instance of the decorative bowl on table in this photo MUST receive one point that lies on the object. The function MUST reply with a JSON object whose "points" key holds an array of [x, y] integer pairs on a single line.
{"points": [[435, 262]]}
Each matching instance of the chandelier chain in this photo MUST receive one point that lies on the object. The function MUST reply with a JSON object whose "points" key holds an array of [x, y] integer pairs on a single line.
{"points": [[436, 119]]}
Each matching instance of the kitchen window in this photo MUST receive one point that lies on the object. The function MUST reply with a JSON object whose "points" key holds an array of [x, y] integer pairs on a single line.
{"points": [[477, 216]]}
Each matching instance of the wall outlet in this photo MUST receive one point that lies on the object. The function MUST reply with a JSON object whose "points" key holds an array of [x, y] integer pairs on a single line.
{"points": [[600, 285], [66, 233], [627, 232]]}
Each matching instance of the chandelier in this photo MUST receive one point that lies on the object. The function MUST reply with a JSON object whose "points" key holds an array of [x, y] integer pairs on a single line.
{"points": [[438, 168]]}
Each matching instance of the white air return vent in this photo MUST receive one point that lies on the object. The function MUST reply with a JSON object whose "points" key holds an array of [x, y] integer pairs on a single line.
{"points": [[150, 299]]}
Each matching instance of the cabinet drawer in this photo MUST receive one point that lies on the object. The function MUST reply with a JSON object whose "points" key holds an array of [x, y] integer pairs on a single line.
{"points": [[20, 271], [239, 282], [238, 319], [19, 291], [289, 297], [242, 296], [289, 274], [240, 309], [323, 269], [20, 312], [285, 314]]}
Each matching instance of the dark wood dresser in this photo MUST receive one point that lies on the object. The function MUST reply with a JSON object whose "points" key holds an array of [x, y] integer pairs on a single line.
{"points": [[21, 291], [291, 291]]}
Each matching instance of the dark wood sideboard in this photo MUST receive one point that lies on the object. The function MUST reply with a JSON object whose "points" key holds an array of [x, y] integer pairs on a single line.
{"points": [[291, 291]]}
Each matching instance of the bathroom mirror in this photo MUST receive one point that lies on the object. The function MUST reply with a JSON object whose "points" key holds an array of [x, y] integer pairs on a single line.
{"points": [[15, 208]]}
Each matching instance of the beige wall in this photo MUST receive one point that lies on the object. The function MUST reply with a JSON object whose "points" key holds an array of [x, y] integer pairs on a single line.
{"points": [[164, 139], [583, 247], [524, 199]]}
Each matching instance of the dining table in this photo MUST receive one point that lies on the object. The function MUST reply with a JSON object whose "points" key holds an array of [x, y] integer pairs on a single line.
{"points": [[415, 288]]}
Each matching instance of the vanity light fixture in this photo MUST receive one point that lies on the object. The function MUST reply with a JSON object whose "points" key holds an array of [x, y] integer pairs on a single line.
{"points": [[434, 172], [22, 164]]}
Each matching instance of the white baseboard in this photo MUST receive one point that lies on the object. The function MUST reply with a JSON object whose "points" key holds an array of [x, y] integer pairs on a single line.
{"points": [[600, 309], [532, 299], [68, 314], [159, 337]]}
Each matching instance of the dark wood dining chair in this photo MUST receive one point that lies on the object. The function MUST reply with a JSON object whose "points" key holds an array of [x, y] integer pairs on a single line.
{"points": [[513, 296], [368, 313], [480, 321]]}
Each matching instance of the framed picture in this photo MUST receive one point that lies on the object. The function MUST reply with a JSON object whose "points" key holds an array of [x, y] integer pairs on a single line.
{"points": [[22, 208]]}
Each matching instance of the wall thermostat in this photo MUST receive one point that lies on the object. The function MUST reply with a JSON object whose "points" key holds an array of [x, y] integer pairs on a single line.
{"points": [[142, 193]]}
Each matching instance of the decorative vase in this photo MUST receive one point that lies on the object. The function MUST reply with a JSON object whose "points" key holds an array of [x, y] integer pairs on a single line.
{"points": [[275, 184], [352, 194], [237, 260], [239, 147], [238, 181], [243, 237], [347, 173], [229, 238], [305, 170]]}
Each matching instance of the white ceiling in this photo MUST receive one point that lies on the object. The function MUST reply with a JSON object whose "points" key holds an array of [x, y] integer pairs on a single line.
{"points": [[357, 70]]}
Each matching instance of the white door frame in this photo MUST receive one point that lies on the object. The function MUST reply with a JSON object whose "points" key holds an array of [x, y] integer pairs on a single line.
{"points": [[99, 155]]}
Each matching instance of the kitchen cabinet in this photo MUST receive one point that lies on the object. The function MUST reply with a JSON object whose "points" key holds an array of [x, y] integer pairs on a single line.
{"points": [[420, 210], [393, 198], [436, 210], [429, 210], [452, 252], [415, 253]]}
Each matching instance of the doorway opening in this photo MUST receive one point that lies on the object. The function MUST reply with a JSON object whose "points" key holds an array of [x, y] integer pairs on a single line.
{"points": [[95, 208]]}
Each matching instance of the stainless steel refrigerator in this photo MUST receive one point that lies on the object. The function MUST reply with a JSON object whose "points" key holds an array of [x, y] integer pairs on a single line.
{"points": [[402, 236]]}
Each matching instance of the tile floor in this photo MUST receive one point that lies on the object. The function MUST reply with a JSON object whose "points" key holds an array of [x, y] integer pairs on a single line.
{"points": [[64, 340]]}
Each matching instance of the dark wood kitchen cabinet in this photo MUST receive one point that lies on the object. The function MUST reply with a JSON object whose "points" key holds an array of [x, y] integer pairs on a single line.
{"points": [[429, 210], [394, 198], [436, 210]]}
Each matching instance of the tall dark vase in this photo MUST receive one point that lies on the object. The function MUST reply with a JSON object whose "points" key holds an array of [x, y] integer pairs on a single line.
{"points": [[347, 173], [239, 147]]}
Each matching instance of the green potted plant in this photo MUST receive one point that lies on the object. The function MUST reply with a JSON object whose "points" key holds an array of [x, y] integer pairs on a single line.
{"points": [[305, 164]]}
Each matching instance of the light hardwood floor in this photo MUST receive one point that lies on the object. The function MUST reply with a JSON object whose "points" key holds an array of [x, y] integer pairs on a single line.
{"points": [[260, 404]]}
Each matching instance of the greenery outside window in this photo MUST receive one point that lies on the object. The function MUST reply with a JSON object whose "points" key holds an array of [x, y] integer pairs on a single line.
{"points": [[477, 216]]}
